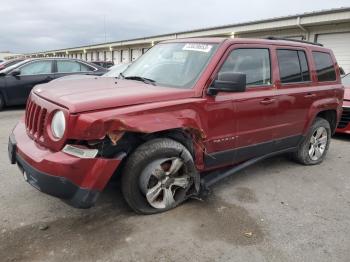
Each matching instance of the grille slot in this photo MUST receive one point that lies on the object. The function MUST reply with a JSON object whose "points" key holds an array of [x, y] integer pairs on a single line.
{"points": [[345, 118], [35, 119]]}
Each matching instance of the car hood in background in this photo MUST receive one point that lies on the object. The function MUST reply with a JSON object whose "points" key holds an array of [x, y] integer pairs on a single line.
{"points": [[74, 77], [106, 92]]}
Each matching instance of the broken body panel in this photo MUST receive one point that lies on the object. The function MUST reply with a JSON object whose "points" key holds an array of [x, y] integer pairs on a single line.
{"points": [[224, 130]]}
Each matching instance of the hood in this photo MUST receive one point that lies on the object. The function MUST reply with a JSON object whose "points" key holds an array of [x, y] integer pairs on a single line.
{"points": [[106, 92]]}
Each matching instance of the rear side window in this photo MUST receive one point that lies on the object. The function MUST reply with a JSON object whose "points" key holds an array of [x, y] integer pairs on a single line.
{"points": [[293, 66], [71, 67], [324, 67], [254, 63]]}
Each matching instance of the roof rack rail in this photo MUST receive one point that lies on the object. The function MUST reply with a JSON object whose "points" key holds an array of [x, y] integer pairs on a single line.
{"points": [[292, 40]]}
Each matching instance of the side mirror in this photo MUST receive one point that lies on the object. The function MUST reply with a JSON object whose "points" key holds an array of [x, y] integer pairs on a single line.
{"points": [[229, 82], [15, 72]]}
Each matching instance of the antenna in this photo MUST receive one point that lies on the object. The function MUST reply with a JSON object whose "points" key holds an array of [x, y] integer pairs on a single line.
{"points": [[104, 26]]}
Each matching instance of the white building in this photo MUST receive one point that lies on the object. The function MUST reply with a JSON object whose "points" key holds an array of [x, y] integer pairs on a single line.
{"points": [[6, 55], [330, 28]]}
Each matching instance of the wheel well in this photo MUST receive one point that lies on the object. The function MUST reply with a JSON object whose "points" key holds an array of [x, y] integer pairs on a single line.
{"points": [[178, 135], [131, 140], [331, 117]]}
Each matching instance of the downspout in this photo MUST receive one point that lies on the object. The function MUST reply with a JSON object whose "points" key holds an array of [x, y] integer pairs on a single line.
{"points": [[303, 28]]}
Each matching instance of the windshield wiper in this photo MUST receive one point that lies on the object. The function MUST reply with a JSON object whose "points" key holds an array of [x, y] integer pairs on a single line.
{"points": [[140, 78]]}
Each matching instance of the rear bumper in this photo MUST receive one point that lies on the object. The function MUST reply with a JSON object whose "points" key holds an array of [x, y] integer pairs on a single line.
{"points": [[76, 181], [344, 124]]}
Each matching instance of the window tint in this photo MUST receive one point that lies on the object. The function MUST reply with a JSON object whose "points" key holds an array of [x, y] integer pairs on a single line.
{"points": [[324, 66], [71, 67], [293, 66], [255, 63], [35, 68]]}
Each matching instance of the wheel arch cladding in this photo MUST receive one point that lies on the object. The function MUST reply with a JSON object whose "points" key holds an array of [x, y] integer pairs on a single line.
{"points": [[331, 117], [327, 108]]}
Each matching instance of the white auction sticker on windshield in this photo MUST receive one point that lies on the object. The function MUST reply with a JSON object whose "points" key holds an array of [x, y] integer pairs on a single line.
{"points": [[197, 47]]}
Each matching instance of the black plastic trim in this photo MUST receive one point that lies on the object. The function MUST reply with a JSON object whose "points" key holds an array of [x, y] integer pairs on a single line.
{"points": [[58, 186], [237, 155]]}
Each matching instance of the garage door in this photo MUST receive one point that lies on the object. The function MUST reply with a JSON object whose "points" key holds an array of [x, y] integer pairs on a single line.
{"points": [[125, 56], [339, 43], [135, 53], [108, 56]]}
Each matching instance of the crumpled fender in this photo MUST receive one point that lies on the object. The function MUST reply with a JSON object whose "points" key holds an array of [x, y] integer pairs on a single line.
{"points": [[91, 126]]}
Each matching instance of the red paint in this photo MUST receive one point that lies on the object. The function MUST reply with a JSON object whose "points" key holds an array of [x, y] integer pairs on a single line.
{"points": [[346, 103], [94, 107]]}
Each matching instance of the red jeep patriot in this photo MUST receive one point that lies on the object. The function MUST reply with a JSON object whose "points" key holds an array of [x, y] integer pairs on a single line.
{"points": [[179, 113]]}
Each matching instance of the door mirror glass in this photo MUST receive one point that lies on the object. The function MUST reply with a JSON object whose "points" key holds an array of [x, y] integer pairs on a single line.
{"points": [[229, 82]]}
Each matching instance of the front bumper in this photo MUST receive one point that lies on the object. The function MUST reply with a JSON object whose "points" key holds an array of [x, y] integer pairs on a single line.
{"points": [[344, 124], [75, 180]]}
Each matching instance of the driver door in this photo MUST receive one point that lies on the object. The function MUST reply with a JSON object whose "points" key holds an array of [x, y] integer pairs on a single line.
{"points": [[245, 128], [18, 87]]}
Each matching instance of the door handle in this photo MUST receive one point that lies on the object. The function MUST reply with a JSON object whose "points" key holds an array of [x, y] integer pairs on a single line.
{"points": [[267, 101], [310, 95]]}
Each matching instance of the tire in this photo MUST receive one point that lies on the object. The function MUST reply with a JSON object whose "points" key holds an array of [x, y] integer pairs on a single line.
{"points": [[318, 138], [2, 102], [159, 175]]}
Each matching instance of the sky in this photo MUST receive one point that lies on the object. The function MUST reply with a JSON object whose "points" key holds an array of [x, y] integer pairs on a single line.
{"points": [[39, 25]]}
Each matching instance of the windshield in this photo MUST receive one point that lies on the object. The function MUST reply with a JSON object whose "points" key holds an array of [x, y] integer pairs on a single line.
{"points": [[172, 64], [346, 80], [115, 71]]}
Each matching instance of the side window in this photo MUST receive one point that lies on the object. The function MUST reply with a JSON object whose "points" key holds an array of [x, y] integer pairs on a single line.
{"points": [[36, 68], [293, 66], [86, 68], [255, 63], [324, 67], [66, 66]]}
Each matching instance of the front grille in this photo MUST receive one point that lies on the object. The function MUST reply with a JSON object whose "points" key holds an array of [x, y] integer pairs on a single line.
{"points": [[345, 118], [35, 119]]}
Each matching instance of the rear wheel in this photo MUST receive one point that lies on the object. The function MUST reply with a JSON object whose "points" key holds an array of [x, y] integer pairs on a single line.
{"points": [[158, 176], [315, 145]]}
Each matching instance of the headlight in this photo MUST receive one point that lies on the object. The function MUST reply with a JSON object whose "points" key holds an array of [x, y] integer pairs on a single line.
{"points": [[58, 124]]}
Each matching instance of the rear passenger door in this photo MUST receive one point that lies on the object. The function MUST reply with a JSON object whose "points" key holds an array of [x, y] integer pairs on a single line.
{"points": [[71, 67], [296, 93]]}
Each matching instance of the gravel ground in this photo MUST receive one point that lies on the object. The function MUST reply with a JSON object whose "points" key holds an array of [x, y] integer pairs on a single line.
{"points": [[275, 210]]}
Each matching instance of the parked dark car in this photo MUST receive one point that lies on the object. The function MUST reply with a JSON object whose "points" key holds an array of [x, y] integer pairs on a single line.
{"points": [[105, 64], [114, 71], [9, 63], [17, 81]]}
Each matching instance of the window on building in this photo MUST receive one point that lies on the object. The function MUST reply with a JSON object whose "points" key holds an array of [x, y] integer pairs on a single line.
{"points": [[324, 67], [254, 63], [293, 66]]}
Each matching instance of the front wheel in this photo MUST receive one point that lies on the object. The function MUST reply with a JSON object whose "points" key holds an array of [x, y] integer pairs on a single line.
{"points": [[314, 147], [159, 175]]}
